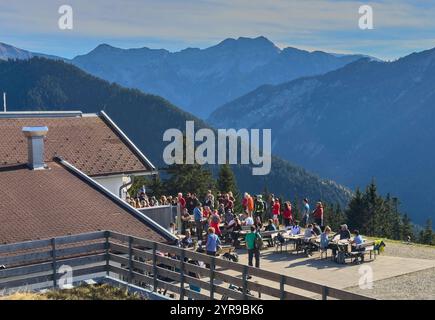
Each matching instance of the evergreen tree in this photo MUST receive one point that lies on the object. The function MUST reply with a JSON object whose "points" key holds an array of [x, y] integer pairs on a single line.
{"points": [[189, 178], [407, 228], [226, 180], [334, 217], [357, 212], [157, 187], [296, 211], [426, 235]]}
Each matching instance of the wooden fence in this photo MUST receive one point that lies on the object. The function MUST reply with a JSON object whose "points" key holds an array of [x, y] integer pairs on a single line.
{"points": [[147, 264]]}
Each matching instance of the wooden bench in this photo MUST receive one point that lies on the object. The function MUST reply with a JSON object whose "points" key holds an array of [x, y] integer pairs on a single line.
{"points": [[369, 248]]}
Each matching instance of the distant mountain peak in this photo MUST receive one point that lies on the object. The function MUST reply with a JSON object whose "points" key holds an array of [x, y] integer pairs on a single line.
{"points": [[257, 42], [104, 47]]}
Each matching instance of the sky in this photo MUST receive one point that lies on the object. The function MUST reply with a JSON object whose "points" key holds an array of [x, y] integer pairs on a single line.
{"points": [[400, 26]]}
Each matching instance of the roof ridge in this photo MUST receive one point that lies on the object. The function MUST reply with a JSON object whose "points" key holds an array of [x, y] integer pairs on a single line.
{"points": [[148, 221]]}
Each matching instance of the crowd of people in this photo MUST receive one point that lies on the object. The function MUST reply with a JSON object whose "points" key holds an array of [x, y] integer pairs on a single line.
{"points": [[212, 220], [143, 201]]}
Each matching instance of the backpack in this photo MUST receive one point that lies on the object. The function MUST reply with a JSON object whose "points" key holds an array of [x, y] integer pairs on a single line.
{"points": [[258, 241], [260, 207]]}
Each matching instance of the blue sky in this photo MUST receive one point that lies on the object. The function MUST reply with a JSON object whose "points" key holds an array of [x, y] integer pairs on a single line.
{"points": [[400, 26]]}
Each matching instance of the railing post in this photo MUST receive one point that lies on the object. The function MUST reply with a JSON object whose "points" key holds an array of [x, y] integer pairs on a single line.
{"points": [[130, 259], [182, 268], [107, 247], [245, 282], [212, 267], [178, 217], [325, 292], [155, 265], [282, 286], [53, 262]]}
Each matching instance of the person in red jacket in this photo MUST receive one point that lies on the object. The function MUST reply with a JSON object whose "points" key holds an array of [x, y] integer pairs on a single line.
{"points": [[182, 202], [214, 221], [287, 214], [318, 214], [276, 210]]}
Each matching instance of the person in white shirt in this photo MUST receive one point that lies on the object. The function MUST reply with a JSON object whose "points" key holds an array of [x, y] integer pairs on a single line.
{"points": [[295, 229], [356, 246], [249, 221]]}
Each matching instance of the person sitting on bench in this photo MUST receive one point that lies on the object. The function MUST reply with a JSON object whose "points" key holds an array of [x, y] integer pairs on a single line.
{"points": [[309, 246], [343, 234], [295, 229], [270, 227], [356, 246], [233, 228], [324, 238]]}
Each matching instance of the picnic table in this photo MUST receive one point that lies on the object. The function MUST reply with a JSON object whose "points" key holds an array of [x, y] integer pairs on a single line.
{"points": [[344, 249]]}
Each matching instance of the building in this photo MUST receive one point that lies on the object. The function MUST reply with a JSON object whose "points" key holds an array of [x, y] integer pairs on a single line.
{"points": [[90, 142], [50, 197]]}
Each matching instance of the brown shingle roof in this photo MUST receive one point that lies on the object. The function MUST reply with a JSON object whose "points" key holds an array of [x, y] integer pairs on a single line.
{"points": [[90, 143], [39, 204]]}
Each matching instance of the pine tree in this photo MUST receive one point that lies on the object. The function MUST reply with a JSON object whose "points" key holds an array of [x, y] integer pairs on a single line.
{"points": [[192, 178], [374, 217], [426, 235], [226, 182], [157, 187], [357, 212], [296, 211], [407, 228]]}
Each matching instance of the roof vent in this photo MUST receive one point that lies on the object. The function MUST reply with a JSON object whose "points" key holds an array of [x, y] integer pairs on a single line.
{"points": [[35, 142]]}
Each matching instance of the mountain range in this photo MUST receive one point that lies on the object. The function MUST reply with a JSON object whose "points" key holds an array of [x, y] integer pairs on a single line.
{"points": [[42, 84], [200, 80], [10, 52], [367, 119]]}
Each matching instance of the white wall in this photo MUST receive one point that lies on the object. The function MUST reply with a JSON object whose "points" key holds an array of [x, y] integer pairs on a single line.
{"points": [[113, 183]]}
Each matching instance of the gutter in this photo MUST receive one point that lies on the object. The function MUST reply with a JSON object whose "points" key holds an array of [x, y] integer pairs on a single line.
{"points": [[40, 114], [151, 223], [127, 140]]}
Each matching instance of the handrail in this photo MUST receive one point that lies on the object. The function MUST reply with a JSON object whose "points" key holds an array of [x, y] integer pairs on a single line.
{"points": [[138, 260]]}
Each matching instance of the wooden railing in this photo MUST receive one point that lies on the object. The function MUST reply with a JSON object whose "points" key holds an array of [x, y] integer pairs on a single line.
{"points": [[141, 262]]}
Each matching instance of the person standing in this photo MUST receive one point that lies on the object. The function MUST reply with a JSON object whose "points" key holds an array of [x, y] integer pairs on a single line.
{"points": [[209, 200], [305, 213], [190, 205], [287, 214], [197, 216], [276, 210], [182, 202], [214, 222], [229, 204], [185, 219], [245, 202], [260, 207], [213, 242], [253, 248], [250, 205], [318, 214]]}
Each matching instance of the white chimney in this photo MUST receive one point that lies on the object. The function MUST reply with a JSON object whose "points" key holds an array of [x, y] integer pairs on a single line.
{"points": [[35, 146]]}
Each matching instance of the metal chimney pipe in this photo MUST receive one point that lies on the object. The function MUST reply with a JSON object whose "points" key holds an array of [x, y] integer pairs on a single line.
{"points": [[35, 146]]}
